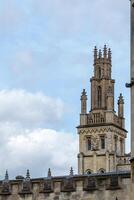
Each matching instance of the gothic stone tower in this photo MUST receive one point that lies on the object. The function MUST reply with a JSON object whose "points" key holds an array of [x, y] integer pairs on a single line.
{"points": [[101, 131]]}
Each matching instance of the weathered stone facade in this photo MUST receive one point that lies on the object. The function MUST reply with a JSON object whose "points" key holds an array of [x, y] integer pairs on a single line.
{"points": [[108, 186]]}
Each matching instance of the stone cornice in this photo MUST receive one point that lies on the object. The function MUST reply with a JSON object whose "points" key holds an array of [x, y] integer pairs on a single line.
{"points": [[100, 129], [75, 177], [100, 125]]}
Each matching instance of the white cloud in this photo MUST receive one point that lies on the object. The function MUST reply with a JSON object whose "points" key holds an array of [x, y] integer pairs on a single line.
{"points": [[38, 150], [25, 144], [29, 109]]}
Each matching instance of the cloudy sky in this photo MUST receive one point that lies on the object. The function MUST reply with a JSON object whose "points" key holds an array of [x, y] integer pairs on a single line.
{"points": [[46, 56]]}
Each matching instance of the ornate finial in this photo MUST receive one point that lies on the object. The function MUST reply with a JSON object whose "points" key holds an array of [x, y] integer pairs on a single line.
{"points": [[120, 100], [84, 95], [105, 52], [6, 176], [49, 173], [83, 102], [95, 54], [100, 53], [109, 55], [83, 92], [28, 175], [71, 171]]}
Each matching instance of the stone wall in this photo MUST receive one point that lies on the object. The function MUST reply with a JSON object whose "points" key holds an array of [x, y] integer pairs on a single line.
{"points": [[107, 186]]}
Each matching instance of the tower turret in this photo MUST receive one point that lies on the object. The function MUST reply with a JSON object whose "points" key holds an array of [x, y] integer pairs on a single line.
{"points": [[100, 54], [109, 56], [121, 106], [83, 102], [101, 131], [121, 110], [105, 53], [101, 81], [83, 115], [95, 54]]}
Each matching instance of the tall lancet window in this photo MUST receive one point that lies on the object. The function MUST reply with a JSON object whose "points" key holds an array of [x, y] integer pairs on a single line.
{"points": [[99, 72], [99, 99]]}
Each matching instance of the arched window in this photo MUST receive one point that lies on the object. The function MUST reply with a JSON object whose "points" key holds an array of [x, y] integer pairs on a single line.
{"points": [[102, 170], [89, 144], [115, 142], [99, 95], [99, 72], [89, 171], [121, 146], [102, 140]]}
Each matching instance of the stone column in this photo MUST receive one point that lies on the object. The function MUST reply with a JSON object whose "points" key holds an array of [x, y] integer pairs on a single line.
{"points": [[107, 162], [80, 163], [95, 162]]}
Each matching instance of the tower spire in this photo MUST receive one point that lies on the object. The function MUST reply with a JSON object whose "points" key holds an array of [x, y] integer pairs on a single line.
{"points": [[121, 106], [110, 56], [71, 171], [6, 176], [105, 52], [95, 54], [28, 174], [100, 53], [84, 102], [49, 173]]}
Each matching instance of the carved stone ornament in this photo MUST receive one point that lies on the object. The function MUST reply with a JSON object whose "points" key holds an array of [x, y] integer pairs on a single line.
{"points": [[68, 185], [6, 185], [114, 183], [26, 187], [5, 188], [46, 186], [95, 142], [90, 184]]}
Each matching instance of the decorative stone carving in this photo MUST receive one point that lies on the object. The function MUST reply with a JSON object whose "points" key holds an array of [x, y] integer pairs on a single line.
{"points": [[68, 185], [49, 175], [95, 142], [46, 186], [90, 184], [96, 118], [26, 187], [26, 184], [6, 185], [71, 171], [114, 183]]}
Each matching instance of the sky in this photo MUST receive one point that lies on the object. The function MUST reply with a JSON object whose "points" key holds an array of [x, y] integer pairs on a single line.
{"points": [[46, 59]]}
